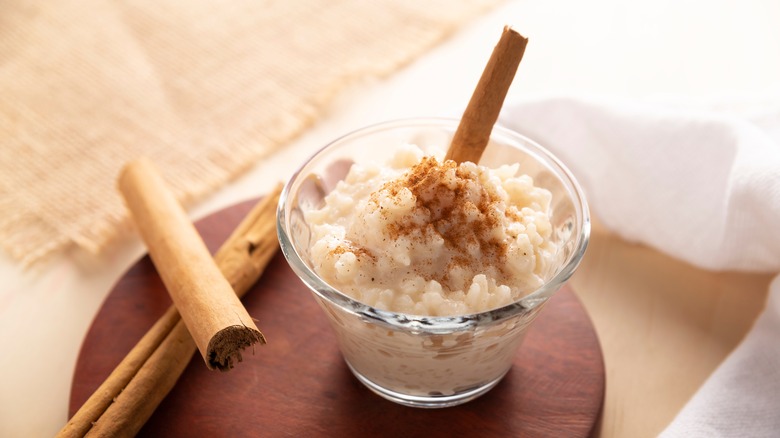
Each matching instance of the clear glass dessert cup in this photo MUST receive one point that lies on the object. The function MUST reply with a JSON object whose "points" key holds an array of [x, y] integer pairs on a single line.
{"points": [[427, 361]]}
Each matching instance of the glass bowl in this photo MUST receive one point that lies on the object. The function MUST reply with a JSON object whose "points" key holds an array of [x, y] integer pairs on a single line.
{"points": [[428, 361]]}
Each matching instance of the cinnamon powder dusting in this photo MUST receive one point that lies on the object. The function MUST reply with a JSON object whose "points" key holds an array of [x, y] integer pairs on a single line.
{"points": [[354, 248], [456, 207]]}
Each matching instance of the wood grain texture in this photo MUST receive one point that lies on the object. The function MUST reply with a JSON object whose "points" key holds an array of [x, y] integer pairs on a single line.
{"points": [[298, 385]]}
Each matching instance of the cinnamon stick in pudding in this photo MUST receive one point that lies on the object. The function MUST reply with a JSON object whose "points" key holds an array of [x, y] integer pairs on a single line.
{"points": [[216, 319], [481, 113]]}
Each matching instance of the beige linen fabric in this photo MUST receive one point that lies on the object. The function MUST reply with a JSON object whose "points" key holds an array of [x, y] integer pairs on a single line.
{"points": [[203, 88]]}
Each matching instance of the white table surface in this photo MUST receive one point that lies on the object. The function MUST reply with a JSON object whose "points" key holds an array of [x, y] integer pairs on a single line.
{"points": [[638, 49]]}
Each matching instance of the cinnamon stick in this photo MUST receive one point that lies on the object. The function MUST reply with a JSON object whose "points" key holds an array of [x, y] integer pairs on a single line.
{"points": [[148, 372], [216, 319], [473, 132], [133, 406], [101, 399]]}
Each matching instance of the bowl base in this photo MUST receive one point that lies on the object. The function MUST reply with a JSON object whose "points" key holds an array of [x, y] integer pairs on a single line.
{"points": [[430, 401]]}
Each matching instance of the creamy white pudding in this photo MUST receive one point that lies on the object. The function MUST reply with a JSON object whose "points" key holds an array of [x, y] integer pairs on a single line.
{"points": [[419, 236]]}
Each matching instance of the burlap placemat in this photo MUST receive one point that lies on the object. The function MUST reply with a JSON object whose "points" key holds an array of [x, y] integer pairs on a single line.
{"points": [[204, 88]]}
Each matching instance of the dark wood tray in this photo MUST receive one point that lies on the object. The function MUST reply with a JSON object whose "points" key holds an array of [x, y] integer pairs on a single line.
{"points": [[298, 385]]}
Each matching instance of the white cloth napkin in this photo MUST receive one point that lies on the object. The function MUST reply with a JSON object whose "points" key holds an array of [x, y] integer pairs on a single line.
{"points": [[701, 183]]}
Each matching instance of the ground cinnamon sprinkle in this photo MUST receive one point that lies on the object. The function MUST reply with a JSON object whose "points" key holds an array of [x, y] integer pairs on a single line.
{"points": [[354, 248], [457, 207]]}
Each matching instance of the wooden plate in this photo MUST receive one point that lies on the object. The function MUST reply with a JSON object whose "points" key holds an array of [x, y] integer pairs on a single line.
{"points": [[298, 385]]}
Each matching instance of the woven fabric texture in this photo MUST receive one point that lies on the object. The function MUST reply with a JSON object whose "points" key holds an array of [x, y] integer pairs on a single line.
{"points": [[204, 89]]}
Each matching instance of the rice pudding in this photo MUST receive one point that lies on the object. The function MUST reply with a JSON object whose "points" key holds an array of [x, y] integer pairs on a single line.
{"points": [[404, 253], [419, 236]]}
